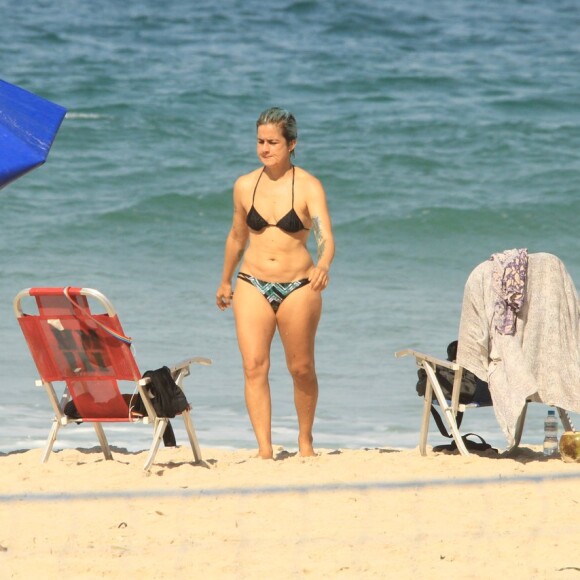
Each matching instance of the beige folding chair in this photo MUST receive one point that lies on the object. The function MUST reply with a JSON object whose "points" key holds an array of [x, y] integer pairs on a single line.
{"points": [[538, 362], [451, 408]]}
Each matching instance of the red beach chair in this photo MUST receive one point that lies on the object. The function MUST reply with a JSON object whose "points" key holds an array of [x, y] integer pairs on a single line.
{"points": [[90, 354]]}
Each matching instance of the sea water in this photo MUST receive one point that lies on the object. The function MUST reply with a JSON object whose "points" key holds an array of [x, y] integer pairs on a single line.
{"points": [[442, 132]]}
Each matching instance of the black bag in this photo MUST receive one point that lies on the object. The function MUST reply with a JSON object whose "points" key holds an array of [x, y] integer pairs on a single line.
{"points": [[167, 399], [472, 390]]}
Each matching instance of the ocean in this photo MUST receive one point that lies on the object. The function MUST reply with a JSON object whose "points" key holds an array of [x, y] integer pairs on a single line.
{"points": [[442, 131]]}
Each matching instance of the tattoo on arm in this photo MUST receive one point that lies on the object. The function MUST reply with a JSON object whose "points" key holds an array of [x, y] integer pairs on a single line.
{"points": [[320, 241]]}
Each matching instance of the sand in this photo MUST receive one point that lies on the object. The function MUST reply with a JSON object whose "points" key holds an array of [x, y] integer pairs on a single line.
{"points": [[368, 513]]}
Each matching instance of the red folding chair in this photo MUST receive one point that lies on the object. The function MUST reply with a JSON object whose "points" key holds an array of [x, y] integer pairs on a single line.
{"points": [[89, 352]]}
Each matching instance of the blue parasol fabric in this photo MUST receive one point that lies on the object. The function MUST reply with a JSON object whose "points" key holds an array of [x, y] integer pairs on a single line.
{"points": [[28, 126]]}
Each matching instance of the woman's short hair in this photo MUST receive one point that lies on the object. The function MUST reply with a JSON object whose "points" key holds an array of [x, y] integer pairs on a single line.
{"points": [[284, 119]]}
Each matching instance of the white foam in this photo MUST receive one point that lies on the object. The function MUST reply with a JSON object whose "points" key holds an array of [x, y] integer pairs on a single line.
{"points": [[73, 115]]}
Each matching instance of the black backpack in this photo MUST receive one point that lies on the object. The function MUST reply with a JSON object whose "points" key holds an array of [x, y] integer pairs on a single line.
{"points": [[472, 390]]}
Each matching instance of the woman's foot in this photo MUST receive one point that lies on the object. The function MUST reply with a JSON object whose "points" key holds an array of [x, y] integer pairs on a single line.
{"points": [[305, 447], [266, 453]]}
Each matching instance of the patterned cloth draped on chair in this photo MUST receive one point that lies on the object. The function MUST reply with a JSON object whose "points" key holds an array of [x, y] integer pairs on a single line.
{"points": [[540, 361]]}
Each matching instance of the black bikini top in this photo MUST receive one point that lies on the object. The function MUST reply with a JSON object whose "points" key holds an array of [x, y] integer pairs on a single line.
{"points": [[290, 223]]}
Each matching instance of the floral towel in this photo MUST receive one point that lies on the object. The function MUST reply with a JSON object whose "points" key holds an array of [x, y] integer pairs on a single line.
{"points": [[509, 283]]}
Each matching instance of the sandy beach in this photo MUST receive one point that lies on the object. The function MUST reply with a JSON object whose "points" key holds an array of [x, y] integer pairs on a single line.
{"points": [[369, 513]]}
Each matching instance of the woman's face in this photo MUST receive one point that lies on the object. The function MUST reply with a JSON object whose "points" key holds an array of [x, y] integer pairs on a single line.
{"points": [[272, 148]]}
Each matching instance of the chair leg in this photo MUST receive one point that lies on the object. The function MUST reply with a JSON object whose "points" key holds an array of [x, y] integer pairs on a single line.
{"points": [[50, 441], [565, 418], [520, 426], [452, 423], [103, 441], [192, 436], [447, 410], [160, 426], [425, 420]]}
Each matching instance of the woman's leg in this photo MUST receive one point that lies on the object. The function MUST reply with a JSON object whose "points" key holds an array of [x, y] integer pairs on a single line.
{"points": [[298, 318], [255, 327]]}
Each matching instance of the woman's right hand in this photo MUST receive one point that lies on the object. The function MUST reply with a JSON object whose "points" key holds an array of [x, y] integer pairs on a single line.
{"points": [[223, 296]]}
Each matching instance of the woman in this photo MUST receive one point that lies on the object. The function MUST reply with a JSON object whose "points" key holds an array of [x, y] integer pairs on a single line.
{"points": [[275, 207]]}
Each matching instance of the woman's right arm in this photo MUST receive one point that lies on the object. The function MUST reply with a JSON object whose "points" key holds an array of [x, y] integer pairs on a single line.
{"points": [[234, 250]]}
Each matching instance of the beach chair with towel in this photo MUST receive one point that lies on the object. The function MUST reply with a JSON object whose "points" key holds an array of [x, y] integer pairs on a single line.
{"points": [[520, 333], [77, 343]]}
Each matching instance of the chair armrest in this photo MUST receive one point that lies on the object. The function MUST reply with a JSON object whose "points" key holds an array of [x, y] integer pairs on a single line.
{"points": [[420, 357], [184, 364], [430, 363], [181, 370]]}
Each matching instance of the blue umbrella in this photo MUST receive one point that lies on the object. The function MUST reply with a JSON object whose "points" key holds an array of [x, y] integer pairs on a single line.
{"points": [[28, 126]]}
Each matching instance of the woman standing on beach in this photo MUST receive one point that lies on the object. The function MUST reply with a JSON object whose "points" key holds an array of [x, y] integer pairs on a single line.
{"points": [[275, 207]]}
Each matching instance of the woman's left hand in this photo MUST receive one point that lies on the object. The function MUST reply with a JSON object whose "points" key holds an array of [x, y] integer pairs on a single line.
{"points": [[318, 278]]}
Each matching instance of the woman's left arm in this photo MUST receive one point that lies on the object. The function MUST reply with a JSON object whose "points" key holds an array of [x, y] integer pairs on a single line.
{"points": [[322, 228]]}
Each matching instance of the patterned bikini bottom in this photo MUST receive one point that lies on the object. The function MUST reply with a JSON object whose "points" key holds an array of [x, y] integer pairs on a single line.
{"points": [[274, 292]]}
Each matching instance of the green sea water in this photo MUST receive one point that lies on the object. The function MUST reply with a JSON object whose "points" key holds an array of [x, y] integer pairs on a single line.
{"points": [[442, 132]]}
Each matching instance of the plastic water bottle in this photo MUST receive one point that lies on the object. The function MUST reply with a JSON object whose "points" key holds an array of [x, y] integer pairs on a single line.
{"points": [[551, 434]]}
